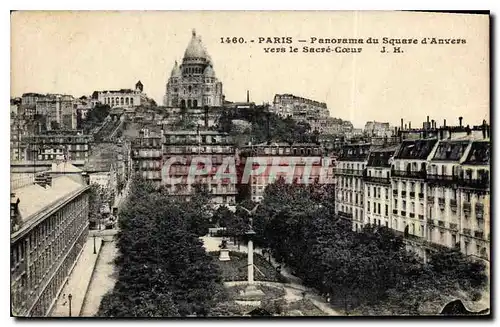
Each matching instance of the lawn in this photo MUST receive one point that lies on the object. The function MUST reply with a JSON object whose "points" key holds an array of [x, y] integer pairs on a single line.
{"points": [[237, 270]]}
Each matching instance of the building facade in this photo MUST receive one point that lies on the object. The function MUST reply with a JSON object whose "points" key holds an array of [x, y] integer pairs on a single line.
{"points": [[193, 83], [49, 227], [289, 105], [349, 183], [300, 163], [378, 188], [124, 98], [72, 144]]}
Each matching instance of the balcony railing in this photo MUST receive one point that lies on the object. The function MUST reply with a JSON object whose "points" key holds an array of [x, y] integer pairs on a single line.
{"points": [[403, 213], [378, 180], [421, 195], [412, 215], [441, 201], [479, 207], [453, 203], [395, 211], [466, 231], [343, 214], [421, 217], [479, 234], [441, 223], [395, 192], [430, 222], [354, 172], [412, 195], [409, 174], [430, 199], [481, 183], [454, 226], [403, 194]]}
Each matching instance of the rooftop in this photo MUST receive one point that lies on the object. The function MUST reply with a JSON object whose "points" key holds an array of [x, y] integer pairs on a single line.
{"points": [[35, 198], [379, 157], [479, 153], [415, 149], [450, 150]]}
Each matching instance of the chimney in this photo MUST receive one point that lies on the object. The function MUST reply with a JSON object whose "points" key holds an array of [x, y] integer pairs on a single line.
{"points": [[206, 116], [444, 123], [401, 123], [432, 124], [460, 120], [468, 130], [484, 129], [248, 96], [406, 127], [268, 128], [427, 119], [409, 125]]}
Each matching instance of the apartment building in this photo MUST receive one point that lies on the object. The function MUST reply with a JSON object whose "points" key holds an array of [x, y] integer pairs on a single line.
{"points": [[350, 200], [378, 187], [49, 227], [300, 163]]}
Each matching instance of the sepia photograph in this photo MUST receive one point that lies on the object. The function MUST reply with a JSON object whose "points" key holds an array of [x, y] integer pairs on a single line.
{"points": [[249, 164]]}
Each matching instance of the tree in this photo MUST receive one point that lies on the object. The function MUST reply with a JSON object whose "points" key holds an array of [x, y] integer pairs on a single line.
{"points": [[163, 267]]}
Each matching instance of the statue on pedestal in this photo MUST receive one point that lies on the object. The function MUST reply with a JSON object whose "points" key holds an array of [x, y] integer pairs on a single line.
{"points": [[224, 252]]}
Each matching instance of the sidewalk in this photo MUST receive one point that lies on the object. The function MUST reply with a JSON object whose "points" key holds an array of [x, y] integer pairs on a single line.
{"points": [[78, 281]]}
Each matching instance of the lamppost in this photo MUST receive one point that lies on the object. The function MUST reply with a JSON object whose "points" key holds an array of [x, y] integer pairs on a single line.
{"points": [[70, 297], [94, 245]]}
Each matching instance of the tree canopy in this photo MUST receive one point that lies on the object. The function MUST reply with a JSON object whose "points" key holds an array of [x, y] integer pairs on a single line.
{"points": [[163, 269]]}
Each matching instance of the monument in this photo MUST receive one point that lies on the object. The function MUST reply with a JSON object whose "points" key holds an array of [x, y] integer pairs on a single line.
{"points": [[224, 251], [251, 291]]}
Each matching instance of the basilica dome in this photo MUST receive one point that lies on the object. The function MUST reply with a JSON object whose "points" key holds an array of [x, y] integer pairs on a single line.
{"points": [[195, 49]]}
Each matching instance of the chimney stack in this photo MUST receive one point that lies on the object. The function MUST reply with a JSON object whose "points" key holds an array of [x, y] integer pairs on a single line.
{"points": [[460, 120], [206, 116], [427, 119], [409, 125], [444, 123], [432, 124], [248, 96], [401, 123], [406, 127], [484, 129]]}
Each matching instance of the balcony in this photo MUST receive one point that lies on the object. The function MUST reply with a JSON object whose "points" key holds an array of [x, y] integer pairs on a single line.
{"points": [[377, 180], [395, 192], [421, 217], [466, 231], [454, 226], [421, 196], [412, 215], [479, 215], [441, 202], [412, 195], [479, 234], [403, 213], [345, 215], [430, 199], [430, 222], [351, 172], [395, 211], [448, 180], [453, 204], [479, 207], [403, 194], [409, 174], [440, 223]]}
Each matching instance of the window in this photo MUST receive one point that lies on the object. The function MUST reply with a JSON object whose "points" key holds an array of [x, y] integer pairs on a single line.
{"points": [[368, 206], [386, 210], [378, 208]]}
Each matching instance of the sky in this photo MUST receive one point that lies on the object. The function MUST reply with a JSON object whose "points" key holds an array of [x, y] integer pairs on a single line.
{"points": [[79, 52]]}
